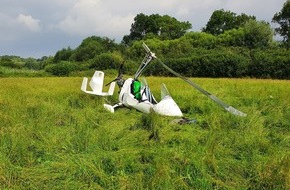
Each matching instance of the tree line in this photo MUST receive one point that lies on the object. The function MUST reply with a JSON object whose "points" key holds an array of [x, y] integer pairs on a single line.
{"points": [[230, 45]]}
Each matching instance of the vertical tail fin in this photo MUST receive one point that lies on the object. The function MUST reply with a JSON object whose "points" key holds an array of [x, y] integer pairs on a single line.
{"points": [[111, 89], [84, 84], [164, 91]]}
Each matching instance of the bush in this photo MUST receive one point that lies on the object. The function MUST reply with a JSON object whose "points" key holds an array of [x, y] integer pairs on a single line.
{"points": [[9, 62], [61, 69], [33, 64], [200, 39], [270, 64], [107, 61], [222, 62]]}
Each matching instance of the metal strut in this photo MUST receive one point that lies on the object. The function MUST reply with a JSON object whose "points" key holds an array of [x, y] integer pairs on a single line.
{"points": [[143, 65]]}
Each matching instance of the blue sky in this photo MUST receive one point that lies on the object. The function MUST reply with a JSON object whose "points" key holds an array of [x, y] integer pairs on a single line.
{"points": [[36, 28]]}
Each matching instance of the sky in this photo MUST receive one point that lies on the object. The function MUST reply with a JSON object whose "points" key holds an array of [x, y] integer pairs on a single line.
{"points": [[37, 28]]}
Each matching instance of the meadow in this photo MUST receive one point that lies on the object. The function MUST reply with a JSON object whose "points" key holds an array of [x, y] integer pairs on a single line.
{"points": [[54, 136]]}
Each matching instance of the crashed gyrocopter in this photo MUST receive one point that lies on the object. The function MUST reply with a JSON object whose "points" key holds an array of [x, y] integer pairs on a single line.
{"points": [[136, 94]]}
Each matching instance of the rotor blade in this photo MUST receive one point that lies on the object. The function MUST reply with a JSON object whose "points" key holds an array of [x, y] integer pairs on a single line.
{"points": [[146, 48], [212, 97]]}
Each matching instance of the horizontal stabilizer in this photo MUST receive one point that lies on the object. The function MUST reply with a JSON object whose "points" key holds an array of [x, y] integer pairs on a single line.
{"points": [[96, 85], [84, 84]]}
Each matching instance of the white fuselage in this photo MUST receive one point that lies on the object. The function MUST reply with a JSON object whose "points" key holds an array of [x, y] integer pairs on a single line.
{"points": [[166, 106]]}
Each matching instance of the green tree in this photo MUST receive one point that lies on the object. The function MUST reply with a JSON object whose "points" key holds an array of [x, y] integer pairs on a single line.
{"points": [[170, 28], [93, 46], [199, 39], [234, 37], [89, 48], [63, 55], [258, 34], [221, 21], [107, 61], [64, 68], [155, 25], [33, 64], [11, 61], [283, 19], [44, 61], [253, 34]]}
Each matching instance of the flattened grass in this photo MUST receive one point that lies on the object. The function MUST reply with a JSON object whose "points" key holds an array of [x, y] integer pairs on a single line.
{"points": [[53, 136]]}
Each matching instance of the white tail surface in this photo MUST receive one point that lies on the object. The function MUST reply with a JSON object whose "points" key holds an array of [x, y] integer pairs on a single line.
{"points": [[164, 91], [96, 85], [97, 82], [84, 84], [111, 89], [167, 106]]}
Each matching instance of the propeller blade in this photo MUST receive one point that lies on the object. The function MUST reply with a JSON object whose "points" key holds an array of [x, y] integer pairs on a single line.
{"points": [[120, 72], [120, 69]]}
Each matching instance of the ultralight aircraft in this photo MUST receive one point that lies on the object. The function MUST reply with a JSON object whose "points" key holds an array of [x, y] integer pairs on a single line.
{"points": [[136, 94]]}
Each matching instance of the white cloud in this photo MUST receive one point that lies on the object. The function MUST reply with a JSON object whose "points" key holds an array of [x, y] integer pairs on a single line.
{"points": [[263, 10], [29, 22], [114, 18], [93, 17], [7, 28]]}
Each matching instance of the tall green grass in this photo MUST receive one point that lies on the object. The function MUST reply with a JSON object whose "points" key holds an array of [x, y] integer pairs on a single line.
{"points": [[53, 136], [14, 72]]}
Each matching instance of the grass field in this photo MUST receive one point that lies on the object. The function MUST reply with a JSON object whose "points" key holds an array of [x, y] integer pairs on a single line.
{"points": [[53, 136]]}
